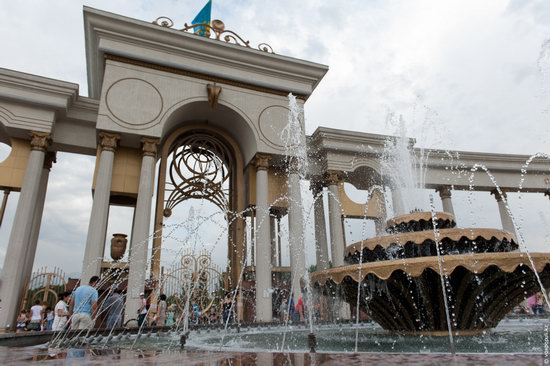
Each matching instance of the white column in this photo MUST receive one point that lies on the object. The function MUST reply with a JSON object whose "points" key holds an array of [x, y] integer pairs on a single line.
{"points": [[3, 206], [335, 220], [274, 239], [253, 238], [445, 194], [505, 218], [263, 242], [279, 247], [296, 230], [141, 228], [97, 228], [13, 271], [337, 239], [321, 248], [37, 219]]}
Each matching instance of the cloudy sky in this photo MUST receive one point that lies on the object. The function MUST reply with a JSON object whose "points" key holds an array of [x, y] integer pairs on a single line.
{"points": [[467, 75]]}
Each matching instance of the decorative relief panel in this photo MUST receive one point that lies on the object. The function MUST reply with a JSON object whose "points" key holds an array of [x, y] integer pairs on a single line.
{"points": [[134, 102], [272, 121]]}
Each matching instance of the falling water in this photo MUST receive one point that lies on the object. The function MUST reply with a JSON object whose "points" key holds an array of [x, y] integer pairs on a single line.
{"points": [[359, 282], [403, 168], [519, 231], [441, 275], [294, 137]]}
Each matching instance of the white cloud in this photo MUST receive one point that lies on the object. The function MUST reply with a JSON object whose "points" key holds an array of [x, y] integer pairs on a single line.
{"points": [[463, 73]]}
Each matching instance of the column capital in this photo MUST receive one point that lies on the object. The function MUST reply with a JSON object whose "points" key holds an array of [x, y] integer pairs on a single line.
{"points": [[40, 141], [277, 212], [108, 141], [295, 164], [51, 158], [316, 185], [444, 191], [499, 196], [149, 146], [333, 177], [261, 161]]}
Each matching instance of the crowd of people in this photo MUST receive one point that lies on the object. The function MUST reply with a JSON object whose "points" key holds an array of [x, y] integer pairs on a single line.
{"points": [[79, 310], [78, 307]]}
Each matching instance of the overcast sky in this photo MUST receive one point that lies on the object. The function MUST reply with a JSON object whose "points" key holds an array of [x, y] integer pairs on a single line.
{"points": [[463, 74]]}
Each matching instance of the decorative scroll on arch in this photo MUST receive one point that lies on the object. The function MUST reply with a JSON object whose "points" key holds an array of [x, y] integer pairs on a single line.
{"points": [[199, 168], [215, 30]]}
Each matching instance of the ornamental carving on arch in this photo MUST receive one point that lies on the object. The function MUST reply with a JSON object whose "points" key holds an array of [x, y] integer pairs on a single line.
{"points": [[199, 168], [213, 30]]}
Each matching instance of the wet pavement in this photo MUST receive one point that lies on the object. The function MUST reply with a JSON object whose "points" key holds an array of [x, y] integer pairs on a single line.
{"points": [[44, 356]]}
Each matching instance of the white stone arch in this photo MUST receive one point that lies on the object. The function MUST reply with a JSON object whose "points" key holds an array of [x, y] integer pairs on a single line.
{"points": [[232, 128], [224, 116], [365, 175]]}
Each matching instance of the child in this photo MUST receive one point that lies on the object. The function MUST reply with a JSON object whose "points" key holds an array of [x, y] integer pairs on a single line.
{"points": [[49, 318], [170, 316], [21, 322]]}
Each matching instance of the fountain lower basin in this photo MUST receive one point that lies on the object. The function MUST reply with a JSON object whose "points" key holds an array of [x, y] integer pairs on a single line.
{"points": [[396, 278], [405, 295], [511, 336]]}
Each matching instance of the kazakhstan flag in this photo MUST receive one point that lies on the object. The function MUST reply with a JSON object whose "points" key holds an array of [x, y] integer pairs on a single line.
{"points": [[203, 17]]}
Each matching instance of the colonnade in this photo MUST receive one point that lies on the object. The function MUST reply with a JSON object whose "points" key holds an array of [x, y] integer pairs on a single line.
{"points": [[24, 234], [266, 238], [500, 196]]}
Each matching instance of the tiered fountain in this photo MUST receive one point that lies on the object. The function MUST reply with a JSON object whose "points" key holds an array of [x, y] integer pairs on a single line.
{"points": [[398, 275]]}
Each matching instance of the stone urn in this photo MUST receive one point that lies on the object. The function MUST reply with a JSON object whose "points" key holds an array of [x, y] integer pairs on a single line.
{"points": [[118, 246]]}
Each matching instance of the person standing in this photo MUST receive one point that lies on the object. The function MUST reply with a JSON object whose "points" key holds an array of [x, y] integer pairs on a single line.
{"points": [[84, 305], [22, 322], [283, 308], [532, 303], [36, 316], [61, 312], [291, 310], [114, 306], [539, 304], [161, 311], [227, 310], [49, 318], [142, 311], [300, 309], [171, 316]]}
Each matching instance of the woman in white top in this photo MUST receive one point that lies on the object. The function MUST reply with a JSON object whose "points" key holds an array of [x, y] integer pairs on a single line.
{"points": [[36, 316], [61, 312]]}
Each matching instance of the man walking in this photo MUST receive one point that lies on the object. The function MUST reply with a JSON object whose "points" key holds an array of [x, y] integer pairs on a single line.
{"points": [[84, 305], [142, 312], [114, 306]]}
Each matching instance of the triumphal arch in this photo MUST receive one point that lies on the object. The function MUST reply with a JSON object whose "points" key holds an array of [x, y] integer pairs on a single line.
{"points": [[155, 93], [203, 116]]}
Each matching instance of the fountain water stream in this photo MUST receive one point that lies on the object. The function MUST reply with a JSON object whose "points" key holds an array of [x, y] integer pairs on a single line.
{"points": [[425, 269]]}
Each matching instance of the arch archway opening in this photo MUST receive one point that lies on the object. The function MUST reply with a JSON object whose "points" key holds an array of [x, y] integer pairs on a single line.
{"points": [[199, 201]]}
